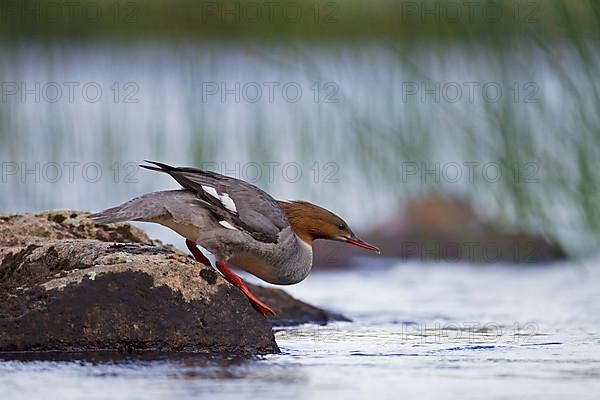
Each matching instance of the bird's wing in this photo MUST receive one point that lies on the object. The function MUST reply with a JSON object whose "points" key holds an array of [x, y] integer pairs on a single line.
{"points": [[233, 201]]}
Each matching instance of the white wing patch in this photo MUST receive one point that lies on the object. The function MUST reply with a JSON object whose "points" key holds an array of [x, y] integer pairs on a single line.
{"points": [[212, 191], [228, 225], [227, 201]]}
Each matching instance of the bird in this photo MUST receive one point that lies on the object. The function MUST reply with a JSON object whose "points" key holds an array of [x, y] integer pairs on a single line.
{"points": [[239, 224]]}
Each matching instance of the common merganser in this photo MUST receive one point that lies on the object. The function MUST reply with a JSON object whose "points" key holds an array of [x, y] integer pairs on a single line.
{"points": [[238, 223]]}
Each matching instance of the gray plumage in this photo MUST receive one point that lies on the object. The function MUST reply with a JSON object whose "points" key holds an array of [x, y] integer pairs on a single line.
{"points": [[256, 211], [147, 208], [232, 219]]}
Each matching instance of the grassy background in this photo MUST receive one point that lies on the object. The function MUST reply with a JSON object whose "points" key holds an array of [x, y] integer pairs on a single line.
{"points": [[368, 49], [318, 20]]}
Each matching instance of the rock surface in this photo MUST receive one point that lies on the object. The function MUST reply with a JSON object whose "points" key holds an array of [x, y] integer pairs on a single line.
{"points": [[439, 229], [68, 284], [291, 311]]}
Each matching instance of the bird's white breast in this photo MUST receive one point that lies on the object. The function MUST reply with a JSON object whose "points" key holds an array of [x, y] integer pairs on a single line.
{"points": [[285, 263]]}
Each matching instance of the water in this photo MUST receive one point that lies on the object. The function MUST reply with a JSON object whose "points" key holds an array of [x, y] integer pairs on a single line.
{"points": [[355, 140], [433, 331]]}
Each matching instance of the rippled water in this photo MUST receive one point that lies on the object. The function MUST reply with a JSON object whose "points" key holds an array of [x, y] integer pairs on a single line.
{"points": [[436, 331]]}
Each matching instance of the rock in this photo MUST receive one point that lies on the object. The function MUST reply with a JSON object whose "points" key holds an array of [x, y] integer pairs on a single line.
{"points": [[21, 229], [439, 229], [81, 294], [291, 311], [67, 284]]}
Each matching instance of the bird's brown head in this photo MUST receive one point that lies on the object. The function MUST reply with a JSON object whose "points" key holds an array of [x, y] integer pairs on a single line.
{"points": [[311, 222]]}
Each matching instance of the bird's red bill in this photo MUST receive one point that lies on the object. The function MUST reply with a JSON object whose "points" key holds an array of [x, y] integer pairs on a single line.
{"points": [[364, 245]]}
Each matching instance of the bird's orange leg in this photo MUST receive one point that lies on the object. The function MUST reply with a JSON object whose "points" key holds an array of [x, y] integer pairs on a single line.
{"points": [[239, 283], [231, 278], [197, 253]]}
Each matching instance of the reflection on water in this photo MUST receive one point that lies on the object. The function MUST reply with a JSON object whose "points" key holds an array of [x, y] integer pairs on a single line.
{"points": [[343, 126], [430, 331]]}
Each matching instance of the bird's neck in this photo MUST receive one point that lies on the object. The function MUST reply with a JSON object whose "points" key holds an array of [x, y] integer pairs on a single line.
{"points": [[303, 219]]}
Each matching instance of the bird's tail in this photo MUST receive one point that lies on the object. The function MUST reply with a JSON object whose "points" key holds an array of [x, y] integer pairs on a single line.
{"points": [[149, 208]]}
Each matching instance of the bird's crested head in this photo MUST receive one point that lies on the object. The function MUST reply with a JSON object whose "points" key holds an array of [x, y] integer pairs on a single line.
{"points": [[311, 222]]}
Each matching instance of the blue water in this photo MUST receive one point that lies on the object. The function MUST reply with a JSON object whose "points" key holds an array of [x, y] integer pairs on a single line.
{"points": [[433, 331]]}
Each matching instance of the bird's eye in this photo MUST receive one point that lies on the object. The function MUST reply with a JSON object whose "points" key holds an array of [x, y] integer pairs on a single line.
{"points": [[341, 227]]}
